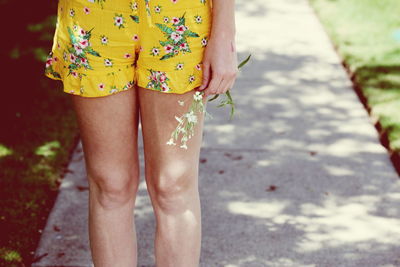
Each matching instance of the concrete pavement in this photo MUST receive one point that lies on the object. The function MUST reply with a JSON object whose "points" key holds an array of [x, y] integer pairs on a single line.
{"points": [[298, 178]]}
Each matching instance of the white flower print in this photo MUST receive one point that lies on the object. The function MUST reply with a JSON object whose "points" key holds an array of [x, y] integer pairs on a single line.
{"points": [[86, 10], [166, 19], [198, 19], [155, 51], [179, 66], [104, 40], [108, 62], [204, 41], [157, 9], [192, 78], [72, 12], [134, 5], [119, 21]]}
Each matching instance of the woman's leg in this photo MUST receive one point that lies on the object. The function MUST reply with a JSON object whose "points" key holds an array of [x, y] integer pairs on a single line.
{"points": [[108, 127], [172, 178]]}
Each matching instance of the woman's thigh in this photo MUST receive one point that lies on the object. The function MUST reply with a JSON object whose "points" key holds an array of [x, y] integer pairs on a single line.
{"points": [[168, 166], [109, 130]]}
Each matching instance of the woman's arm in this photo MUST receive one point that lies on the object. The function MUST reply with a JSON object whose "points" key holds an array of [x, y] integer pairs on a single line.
{"points": [[220, 58]]}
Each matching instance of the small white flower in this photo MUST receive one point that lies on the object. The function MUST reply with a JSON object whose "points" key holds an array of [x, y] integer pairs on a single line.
{"points": [[191, 117], [171, 142], [197, 96], [183, 146], [181, 102], [178, 119]]}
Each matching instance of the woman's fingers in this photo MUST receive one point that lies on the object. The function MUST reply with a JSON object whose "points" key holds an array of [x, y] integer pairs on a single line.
{"points": [[213, 85], [206, 75]]}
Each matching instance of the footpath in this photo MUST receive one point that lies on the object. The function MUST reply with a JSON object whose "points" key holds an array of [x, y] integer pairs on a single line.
{"points": [[298, 178]]}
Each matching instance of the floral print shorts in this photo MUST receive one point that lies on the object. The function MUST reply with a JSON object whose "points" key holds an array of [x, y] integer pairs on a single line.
{"points": [[102, 47]]}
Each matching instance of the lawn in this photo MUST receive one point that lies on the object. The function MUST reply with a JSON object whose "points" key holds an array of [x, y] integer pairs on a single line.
{"points": [[366, 34], [39, 130]]}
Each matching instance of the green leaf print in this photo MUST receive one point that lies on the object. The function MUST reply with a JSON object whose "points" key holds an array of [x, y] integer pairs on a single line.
{"points": [[176, 33], [71, 35], [79, 48], [191, 34], [92, 52], [167, 30], [135, 18]]}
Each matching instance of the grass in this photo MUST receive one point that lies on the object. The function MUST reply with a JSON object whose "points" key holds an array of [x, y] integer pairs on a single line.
{"points": [[38, 130], [366, 34]]}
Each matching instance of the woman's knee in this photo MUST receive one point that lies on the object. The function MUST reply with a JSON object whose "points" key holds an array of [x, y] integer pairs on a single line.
{"points": [[113, 187], [174, 183]]}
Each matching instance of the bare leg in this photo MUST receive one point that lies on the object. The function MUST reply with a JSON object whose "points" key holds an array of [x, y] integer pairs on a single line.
{"points": [[172, 179], [108, 128]]}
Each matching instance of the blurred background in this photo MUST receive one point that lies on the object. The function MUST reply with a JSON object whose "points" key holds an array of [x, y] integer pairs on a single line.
{"points": [[39, 128]]}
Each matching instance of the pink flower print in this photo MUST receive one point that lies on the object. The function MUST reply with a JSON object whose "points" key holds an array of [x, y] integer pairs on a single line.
{"points": [[198, 67], [168, 48], [153, 76], [135, 37], [74, 74], [174, 1], [84, 61], [101, 86], [183, 46], [127, 55], [78, 49], [82, 32], [181, 29], [163, 78], [86, 10], [192, 78], [175, 20], [176, 36], [83, 44], [164, 87], [72, 58], [49, 62]]}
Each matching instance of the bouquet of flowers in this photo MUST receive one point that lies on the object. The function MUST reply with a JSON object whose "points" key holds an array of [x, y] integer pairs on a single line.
{"points": [[187, 121]]}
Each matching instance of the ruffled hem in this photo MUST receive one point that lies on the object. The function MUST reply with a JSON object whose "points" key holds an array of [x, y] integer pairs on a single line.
{"points": [[88, 83], [98, 84], [170, 81]]}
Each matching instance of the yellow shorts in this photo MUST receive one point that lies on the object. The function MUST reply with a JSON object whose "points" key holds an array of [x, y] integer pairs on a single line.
{"points": [[102, 47]]}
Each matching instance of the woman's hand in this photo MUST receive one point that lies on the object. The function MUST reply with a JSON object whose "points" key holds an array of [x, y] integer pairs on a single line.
{"points": [[219, 65]]}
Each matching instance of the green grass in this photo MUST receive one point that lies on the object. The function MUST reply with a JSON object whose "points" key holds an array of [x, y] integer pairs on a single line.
{"points": [[367, 36], [38, 130]]}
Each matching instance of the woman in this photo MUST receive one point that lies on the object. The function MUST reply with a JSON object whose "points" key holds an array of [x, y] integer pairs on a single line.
{"points": [[116, 57]]}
